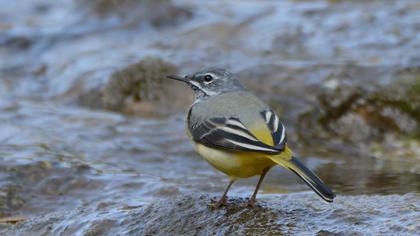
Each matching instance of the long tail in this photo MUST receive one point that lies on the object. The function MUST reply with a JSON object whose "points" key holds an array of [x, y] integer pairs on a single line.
{"points": [[309, 177]]}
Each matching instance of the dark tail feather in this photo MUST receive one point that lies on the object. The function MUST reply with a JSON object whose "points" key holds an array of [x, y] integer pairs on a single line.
{"points": [[313, 181]]}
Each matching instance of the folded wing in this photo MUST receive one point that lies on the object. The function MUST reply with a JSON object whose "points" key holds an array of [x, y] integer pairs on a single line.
{"points": [[278, 132], [231, 133]]}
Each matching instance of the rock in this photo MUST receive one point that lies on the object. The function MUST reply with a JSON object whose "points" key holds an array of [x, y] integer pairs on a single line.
{"points": [[354, 111], [137, 82], [73, 163], [142, 86], [290, 214]]}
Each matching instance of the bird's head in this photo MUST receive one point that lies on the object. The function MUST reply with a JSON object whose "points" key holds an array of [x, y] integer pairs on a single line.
{"points": [[209, 82]]}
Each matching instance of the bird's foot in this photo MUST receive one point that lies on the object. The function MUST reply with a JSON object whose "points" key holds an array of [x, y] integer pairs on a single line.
{"points": [[252, 203], [221, 203]]}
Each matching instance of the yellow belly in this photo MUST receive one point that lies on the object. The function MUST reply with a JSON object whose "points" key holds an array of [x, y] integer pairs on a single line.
{"points": [[235, 164]]}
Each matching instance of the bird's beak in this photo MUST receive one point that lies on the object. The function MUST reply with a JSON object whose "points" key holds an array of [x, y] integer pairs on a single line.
{"points": [[177, 77]]}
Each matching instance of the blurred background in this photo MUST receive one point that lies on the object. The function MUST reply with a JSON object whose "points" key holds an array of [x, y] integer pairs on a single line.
{"points": [[87, 116]]}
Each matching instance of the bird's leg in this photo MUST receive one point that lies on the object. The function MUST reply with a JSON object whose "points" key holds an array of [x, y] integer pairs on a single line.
{"points": [[222, 200], [253, 200]]}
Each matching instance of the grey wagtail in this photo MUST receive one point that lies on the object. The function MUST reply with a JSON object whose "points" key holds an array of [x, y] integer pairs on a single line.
{"points": [[238, 134]]}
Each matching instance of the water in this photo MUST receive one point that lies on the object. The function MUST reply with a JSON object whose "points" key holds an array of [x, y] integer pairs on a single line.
{"points": [[60, 151]]}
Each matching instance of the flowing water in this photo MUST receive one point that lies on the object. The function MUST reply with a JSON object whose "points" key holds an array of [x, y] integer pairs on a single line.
{"points": [[68, 161]]}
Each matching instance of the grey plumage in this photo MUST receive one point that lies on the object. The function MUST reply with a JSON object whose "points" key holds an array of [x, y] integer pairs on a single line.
{"points": [[228, 106], [238, 133]]}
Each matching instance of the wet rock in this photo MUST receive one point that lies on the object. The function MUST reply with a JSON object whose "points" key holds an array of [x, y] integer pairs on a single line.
{"points": [[142, 87], [355, 111], [140, 81], [292, 214], [322, 72]]}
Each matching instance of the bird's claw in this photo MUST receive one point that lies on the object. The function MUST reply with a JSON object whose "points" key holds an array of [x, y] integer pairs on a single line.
{"points": [[221, 203], [253, 205]]}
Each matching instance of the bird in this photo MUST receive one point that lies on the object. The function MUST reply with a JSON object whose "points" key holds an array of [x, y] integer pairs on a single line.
{"points": [[238, 134]]}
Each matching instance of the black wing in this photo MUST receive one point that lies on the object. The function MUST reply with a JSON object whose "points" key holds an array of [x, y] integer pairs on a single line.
{"points": [[278, 132], [229, 133]]}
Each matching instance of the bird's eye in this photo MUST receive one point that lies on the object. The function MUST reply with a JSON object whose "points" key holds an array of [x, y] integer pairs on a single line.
{"points": [[208, 78]]}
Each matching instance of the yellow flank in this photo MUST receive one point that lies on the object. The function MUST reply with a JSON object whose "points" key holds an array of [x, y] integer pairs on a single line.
{"points": [[283, 158], [261, 132], [241, 164]]}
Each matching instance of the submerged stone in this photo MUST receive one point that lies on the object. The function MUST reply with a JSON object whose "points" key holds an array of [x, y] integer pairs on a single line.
{"points": [[291, 214]]}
